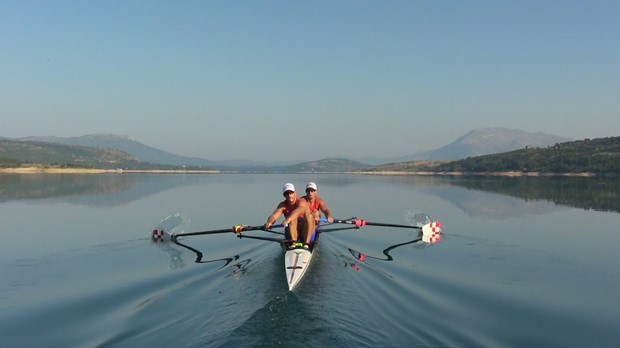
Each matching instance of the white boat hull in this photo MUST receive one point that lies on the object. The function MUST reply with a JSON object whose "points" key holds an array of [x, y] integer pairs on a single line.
{"points": [[296, 263]]}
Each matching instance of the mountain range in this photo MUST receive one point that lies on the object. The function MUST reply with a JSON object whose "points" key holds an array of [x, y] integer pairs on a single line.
{"points": [[476, 142]]}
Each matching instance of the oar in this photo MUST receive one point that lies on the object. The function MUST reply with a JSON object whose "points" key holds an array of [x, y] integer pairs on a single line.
{"points": [[431, 232], [162, 235]]}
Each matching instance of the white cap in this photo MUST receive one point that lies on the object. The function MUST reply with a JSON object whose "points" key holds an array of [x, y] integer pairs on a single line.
{"points": [[288, 187], [311, 185]]}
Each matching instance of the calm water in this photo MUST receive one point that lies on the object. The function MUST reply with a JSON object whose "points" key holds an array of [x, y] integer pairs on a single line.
{"points": [[528, 262]]}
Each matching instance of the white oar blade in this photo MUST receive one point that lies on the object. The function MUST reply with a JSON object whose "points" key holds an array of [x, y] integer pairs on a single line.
{"points": [[166, 229], [431, 232]]}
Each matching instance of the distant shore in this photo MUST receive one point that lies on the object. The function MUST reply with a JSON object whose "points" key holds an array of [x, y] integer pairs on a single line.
{"points": [[58, 170], [513, 173]]}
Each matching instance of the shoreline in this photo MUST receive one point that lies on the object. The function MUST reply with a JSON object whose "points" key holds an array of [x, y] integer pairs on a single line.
{"points": [[57, 170], [509, 174], [53, 170]]}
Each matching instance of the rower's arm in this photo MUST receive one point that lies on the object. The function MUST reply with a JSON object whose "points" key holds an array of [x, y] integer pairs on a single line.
{"points": [[328, 214], [274, 216]]}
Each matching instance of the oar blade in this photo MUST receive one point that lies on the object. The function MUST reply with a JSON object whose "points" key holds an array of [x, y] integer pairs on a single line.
{"points": [[161, 236], [431, 232], [168, 227]]}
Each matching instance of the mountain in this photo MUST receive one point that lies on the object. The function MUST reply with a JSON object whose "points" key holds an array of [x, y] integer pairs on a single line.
{"points": [[15, 153], [111, 151], [483, 141], [600, 156], [141, 152], [474, 143]]}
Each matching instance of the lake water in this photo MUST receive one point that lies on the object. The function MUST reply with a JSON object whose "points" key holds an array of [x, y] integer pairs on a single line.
{"points": [[524, 262]]}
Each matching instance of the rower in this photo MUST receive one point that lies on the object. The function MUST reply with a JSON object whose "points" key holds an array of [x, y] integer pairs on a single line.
{"points": [[297, 217]]}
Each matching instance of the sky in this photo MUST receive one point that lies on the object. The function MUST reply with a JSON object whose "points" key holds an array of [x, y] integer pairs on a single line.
{"points": [[305, 80]]}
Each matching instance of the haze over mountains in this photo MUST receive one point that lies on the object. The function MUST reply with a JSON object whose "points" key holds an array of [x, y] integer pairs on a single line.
{"points": [[476, 142]]}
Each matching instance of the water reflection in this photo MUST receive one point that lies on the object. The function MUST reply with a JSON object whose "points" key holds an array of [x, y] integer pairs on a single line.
{"points": [[89, 189], [598, 193], [534, 193], [362, 257], [199, 254]]}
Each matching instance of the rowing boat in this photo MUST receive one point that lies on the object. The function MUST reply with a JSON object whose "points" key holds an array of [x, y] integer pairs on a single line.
{"points": [[296, 260]]}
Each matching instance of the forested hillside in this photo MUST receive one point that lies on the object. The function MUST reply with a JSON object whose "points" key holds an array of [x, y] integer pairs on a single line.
{"points": [[22, 153], [585, 156]]}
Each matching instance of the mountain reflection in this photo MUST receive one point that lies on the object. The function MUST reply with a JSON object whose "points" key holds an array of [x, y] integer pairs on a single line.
{"points": [[482, 196], [88, 190], [591, 193]]}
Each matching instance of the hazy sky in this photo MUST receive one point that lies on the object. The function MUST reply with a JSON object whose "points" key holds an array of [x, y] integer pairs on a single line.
{"points": [[288, 80]]}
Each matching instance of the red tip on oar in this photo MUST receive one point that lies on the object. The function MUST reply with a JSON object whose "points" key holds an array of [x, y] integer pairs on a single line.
{"points": [[355, 267], [361, 257], [360, 222], [158, 235]]}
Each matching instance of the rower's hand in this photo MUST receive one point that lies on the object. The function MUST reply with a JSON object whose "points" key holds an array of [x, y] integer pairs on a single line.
{"points": [[330, 219], [267, 225]]}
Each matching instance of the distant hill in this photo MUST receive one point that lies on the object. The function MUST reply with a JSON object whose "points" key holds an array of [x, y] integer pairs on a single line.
{"points": [[145, 153], [482, 141], [327, 165], [15, 153], [476, 142], [141, 152], [54, 151], [584, 156]]}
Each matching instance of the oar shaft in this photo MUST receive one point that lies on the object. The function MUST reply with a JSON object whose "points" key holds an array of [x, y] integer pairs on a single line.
{"points": [[279, 240], [338, 229], [361, 222], [224, 230], [236, 229], [368, 223]]}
